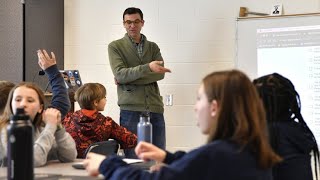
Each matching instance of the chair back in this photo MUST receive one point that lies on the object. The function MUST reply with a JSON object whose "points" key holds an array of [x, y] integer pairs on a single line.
{"points": [[106, 148]]}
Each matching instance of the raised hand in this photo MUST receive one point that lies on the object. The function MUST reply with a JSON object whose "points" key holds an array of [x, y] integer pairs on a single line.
{"points": [[44, 60]]}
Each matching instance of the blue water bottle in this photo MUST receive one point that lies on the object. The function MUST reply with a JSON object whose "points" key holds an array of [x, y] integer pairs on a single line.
{"points": [[20, 147], [144, 128]]}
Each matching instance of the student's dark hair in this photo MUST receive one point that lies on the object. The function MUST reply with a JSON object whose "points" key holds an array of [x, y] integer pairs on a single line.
{"points": [[8, 111], [5, 88], [132, 10], [88, 93], [282, 103], [240, 117]]}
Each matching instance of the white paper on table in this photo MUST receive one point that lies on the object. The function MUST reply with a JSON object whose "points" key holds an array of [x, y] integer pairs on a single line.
{"points": [[131, 161]]}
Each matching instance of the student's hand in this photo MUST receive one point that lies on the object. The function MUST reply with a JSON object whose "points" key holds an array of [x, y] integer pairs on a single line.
{"points": [[44, 60], [157, 167], [156, 66], [52, 116], [92, 163], [147, 151]]}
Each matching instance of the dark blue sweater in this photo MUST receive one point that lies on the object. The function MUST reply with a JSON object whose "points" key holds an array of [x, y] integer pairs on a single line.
{"points": [[217, 160], [60, 99], [294, 144]]}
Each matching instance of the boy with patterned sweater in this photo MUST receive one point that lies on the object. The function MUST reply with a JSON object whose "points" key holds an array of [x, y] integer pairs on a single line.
{"points": [[88, 125]]}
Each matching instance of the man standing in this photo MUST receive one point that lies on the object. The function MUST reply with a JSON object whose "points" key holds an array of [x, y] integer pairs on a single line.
{"points": [[137, 65]]}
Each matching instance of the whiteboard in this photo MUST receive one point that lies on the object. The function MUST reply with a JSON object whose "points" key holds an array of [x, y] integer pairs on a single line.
{"points": [[288, 45], [246, 36]]}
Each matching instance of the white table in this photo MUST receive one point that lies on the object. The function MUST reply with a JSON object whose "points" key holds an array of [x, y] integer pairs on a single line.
{"points": [[56, 170]]}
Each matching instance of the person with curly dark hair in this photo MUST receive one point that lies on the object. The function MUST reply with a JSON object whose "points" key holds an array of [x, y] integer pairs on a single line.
{"points": [[290, 135]]}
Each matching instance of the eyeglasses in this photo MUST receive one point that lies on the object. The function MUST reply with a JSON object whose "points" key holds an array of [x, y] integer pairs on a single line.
{"points": [[135, 22]]}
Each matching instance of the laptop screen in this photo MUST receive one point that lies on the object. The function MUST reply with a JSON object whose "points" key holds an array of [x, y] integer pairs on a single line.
{"points": [[72, 79]]}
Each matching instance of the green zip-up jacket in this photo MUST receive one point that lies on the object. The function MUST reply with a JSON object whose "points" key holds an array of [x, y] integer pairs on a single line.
{"points": [[137, 85]]}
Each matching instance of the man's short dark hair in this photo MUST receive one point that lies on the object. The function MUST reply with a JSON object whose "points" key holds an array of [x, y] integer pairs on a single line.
{"points": [[132, 10]]}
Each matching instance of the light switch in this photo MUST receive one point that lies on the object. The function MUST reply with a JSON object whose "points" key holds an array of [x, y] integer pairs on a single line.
{"points": [[169, 99]]}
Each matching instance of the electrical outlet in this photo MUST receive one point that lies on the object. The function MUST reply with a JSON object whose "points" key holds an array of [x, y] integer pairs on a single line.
{"points": [[169, 99]]}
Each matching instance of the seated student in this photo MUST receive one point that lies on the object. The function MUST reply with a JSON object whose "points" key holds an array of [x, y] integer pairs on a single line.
{"points": [[51, 139], [5, 88], [289, 134], [88, 125], [230, 112]]}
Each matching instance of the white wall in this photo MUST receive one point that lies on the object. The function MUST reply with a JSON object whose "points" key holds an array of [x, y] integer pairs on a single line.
{"points": [[195, 38]]}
